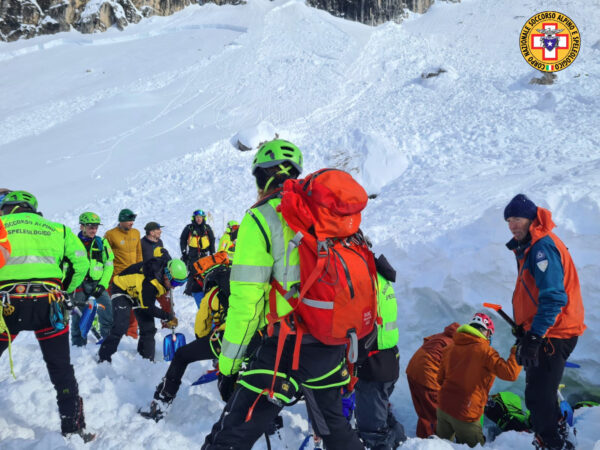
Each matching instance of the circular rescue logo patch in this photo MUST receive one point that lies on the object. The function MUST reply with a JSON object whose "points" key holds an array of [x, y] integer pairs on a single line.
{"points": [[550, 41]]}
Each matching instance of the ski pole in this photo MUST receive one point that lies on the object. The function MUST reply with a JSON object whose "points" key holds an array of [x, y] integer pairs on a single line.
{"points": [[498, 309]]}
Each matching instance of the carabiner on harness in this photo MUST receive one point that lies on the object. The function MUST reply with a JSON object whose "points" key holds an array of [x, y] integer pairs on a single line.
{"points": [[7, 308], [58, 317]]}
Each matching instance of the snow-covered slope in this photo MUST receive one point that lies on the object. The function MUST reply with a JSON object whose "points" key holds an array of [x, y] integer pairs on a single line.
{"points": [[144, 119]]}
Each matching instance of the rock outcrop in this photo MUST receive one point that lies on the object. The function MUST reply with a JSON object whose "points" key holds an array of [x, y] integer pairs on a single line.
{"points": [[28, 18], [371, 12]]}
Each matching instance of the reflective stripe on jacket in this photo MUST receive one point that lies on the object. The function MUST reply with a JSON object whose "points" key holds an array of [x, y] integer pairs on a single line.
{"points": [[467, 373], [261, 253], [387, 308], [547, 297], [38, 249]]}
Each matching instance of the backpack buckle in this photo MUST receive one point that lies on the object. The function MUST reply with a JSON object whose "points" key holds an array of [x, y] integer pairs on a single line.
{"points": [[322, 248]]}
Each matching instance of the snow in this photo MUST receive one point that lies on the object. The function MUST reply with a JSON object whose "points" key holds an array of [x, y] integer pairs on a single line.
{"points": [[146, 119]]}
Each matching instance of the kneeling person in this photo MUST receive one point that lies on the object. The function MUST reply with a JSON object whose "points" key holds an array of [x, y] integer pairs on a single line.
{"points": [[137, 288], [469, 368]]}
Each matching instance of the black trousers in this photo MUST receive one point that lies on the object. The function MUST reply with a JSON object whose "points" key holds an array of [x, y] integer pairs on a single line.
{"points": [[324, 405], [541, 386], [34, 314], [198, 350], [121, 311]]}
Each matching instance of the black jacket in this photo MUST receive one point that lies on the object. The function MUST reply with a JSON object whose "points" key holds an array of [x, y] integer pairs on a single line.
{"points": [[153, 269], [197, 230], [148, 247]]}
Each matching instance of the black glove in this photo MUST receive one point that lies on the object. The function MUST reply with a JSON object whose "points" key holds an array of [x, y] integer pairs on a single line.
{"points": [[226, 385], [184, 257], [97, 293], [528, 350], [518, 331]]}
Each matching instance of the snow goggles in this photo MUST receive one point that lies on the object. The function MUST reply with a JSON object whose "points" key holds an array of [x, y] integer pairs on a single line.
{"points": [[174, 281], [199, 212]]}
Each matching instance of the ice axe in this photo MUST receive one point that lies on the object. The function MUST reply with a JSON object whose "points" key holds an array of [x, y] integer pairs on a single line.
{"points": [[498, 309], [173, 341]]}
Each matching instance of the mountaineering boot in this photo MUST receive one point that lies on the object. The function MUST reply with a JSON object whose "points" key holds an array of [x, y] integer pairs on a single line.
{"points": [[160, 404], [539, 444], [72, 419], [567, 433], [157, 410]]}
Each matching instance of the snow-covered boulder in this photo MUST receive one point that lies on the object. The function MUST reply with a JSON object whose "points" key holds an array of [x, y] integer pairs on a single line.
{"points": [[250, 138]]}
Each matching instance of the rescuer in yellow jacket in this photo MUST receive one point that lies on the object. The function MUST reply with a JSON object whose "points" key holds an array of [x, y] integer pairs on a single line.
{"points": [[31, 287], [208, 327], [260, 255]]}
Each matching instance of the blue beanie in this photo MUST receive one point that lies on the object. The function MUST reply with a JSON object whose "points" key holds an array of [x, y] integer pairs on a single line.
{"points": [[520, 206]]}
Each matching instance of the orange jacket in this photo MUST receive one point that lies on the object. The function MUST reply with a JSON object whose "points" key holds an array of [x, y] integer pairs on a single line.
{"points": [[424, 366], [4, 245], [126, 246], [469, 368], [547, 298]]}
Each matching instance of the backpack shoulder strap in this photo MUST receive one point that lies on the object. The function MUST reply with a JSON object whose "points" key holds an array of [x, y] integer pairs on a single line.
{"points": [[262, 230]]}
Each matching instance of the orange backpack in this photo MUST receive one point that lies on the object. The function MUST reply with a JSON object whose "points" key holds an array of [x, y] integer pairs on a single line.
{"points": [[337, 303], [206, 262]]}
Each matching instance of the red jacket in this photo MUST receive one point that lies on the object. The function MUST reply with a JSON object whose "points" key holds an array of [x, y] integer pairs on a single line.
{"points": [[4, 245], [469, 368], [424, 366], [547, 287]]}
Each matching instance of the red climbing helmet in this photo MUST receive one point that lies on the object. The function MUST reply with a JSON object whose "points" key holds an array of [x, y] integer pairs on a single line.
{"points": [[483, 320]]}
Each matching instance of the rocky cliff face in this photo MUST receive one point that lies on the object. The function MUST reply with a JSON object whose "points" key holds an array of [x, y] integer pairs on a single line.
{"points": [[28, 18], [371, 12]]}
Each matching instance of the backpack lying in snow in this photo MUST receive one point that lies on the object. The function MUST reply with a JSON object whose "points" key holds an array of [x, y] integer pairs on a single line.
{"points": [[506, 410]]}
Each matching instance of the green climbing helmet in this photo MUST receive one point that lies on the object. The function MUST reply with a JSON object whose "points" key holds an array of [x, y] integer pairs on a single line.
{"points": [[275, 152], [176, 270], [89, 218], [20, 198], [232, 223]]}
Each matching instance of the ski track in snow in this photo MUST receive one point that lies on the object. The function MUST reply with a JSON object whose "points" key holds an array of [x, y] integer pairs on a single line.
{"points": [[143, 119]]}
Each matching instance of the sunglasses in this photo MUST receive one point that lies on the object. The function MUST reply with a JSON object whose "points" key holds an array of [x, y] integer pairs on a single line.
{"points": [[174, 282]]}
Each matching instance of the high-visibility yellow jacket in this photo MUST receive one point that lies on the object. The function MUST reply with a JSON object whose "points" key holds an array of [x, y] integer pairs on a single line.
{"points": [[261, 253], [38, 249]]}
